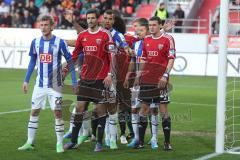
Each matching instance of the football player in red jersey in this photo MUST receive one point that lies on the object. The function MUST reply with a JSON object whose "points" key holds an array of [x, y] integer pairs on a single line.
{"points": [[158, 58], [96, 76]]}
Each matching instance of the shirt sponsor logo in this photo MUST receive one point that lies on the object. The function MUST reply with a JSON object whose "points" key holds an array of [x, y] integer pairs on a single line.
{"points": [[90, 48], [153, 53], [98, 41], [45, 58]]}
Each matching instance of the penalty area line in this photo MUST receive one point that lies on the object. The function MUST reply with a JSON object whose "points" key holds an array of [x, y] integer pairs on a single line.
{"points": [[208, 156]]}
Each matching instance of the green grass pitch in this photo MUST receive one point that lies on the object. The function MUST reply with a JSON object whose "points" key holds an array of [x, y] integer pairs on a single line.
{"points": [[192, 109]]}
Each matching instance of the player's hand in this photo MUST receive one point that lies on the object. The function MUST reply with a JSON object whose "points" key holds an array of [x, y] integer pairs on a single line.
{"points": [[169, 25], [107, 81], [129, 51], [162, 83], [25, 87]]}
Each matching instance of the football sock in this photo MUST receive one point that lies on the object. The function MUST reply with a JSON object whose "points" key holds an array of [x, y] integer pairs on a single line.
{"points": [[135, 121], [32, 128], [101, 126], [154, 122], [166, 125], [113, 126], [59, 129], [143, 122]]}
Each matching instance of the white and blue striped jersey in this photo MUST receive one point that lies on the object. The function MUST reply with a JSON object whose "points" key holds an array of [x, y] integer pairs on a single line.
{"points": [[48, 56], [118, 39]]}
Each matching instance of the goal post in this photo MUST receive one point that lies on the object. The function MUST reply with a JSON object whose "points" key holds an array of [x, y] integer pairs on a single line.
{"points": [[222, 72]]}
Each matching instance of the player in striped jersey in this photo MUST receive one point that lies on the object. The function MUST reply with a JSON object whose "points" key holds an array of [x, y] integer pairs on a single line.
{"points": [[47, 52], [142, 31], [121, 48]]}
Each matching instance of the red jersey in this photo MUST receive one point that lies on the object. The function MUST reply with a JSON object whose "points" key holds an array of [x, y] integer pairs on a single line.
{"points": [[123, 60], [156, 53], [96, 48]]}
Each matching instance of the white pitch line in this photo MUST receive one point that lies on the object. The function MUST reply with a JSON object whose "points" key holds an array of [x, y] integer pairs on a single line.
{"points": [[194, 104], [182, 103], [16, 111], [208, 156]]}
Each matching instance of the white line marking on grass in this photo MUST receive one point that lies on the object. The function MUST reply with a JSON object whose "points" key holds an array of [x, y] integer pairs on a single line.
{"points": [[208, 156], [194, 104], [16, 111], [182, 103], [20, 110]]}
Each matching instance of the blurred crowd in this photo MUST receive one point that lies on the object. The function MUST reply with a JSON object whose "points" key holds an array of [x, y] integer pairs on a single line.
{"points": [[24, 13]]}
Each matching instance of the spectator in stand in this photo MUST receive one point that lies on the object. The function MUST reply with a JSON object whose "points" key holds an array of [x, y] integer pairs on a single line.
{"points": [[129, 9], [67, 4], [55, 17], [50, 4], [39, 3], [43, 9], [4, 8], [178, 14], [104, 5], [16, 20], [27, 20], [78, 5], [33, 10], [162, 13], [6, 20], [216, 25], [65, 23]]}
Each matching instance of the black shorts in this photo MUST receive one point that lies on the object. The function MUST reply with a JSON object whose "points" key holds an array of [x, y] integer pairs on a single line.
{"points": [[94, 91], [152, 94]]}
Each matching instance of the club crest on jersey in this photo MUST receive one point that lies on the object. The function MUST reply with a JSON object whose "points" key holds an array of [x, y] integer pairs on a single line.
{"points": [[45, 58], [160, 46], [98, 41]]}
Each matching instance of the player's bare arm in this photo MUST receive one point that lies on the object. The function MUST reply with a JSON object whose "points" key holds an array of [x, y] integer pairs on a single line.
{"points": [[164, 80]]}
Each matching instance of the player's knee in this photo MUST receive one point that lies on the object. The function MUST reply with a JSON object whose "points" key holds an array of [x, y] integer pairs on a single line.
{"points": [[166, 121], [112, 109], [154, 111], [134, 110], [35, 112], [58, 114]]}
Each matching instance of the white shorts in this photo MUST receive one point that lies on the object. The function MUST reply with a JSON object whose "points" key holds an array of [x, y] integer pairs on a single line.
{"points": [[134, 97], [40, 95]]}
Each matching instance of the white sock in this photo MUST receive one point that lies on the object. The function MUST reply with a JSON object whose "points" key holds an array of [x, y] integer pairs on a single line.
{"points": [[107, 130], [59, 129], [154, 121], [135, 121], [71, 120], [86, 127], [113, 126], [32, 128]]}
